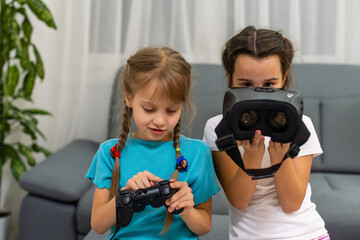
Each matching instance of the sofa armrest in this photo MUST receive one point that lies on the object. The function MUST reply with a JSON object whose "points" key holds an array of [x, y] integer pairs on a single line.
{"points": [[62, 175]]}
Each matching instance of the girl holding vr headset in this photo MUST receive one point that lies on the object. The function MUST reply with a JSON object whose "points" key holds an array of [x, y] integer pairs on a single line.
{"points": [[269, 208]]}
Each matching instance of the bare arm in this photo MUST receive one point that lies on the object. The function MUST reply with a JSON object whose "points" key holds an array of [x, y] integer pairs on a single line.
{"points": [[197, 219], [103, 215], [238, 186], [292, 178]]}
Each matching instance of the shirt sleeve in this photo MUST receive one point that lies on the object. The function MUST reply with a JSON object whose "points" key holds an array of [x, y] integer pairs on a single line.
{"points": [[205, 183], [312, 145], [101, 168], [209, 132]]}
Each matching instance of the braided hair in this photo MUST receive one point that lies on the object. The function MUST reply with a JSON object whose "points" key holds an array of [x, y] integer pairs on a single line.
{"points": [[173, 75]]}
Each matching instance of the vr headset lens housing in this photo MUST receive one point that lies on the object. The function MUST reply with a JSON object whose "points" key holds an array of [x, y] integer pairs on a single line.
{"points": [[277, 115], [277, 120]]}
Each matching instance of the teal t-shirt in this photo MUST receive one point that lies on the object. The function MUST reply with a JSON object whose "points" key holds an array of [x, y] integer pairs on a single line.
{"points": [[159, 159]]}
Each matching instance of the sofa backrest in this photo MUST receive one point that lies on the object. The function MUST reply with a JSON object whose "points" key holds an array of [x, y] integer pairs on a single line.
{"points": [[332, 99]]}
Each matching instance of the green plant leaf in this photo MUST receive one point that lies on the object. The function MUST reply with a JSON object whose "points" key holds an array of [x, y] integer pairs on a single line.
{"points": [[36, 111], [13, 79], [5, 49], [18, 46], [27, 153], [25, 59], [37, 148], [29, 81], [22, 2], [27, 28], [6, 12], [8, 151], [42, 12], [7, 126], [21, 10], [39, 63], [15, 28], [17, 168], [27, 130], [34, 121], [31, 125]]}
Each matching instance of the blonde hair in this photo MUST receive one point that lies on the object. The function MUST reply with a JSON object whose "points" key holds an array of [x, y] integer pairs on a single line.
{"points": [[173, 75]]}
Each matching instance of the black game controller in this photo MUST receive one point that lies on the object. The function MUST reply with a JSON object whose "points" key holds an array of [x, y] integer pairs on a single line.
{"points": [[128, 202]]}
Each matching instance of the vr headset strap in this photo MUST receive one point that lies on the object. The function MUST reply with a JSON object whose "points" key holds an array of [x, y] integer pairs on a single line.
{"points": [[226, 142]]}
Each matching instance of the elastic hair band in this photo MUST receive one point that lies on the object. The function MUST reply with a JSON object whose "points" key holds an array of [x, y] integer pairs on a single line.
{"points": [[114, 152], [181, 164]]}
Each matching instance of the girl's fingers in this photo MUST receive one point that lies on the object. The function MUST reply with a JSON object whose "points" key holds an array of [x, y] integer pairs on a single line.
{"points": [[262, 140], [152, 177], [286, 145], [178, 185], [256, 139], [132, 185], [180, 201], [184, 192], [142, 180], [184, 204], [246, 143]]}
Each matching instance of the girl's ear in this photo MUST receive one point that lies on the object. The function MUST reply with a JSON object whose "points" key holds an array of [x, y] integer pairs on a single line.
{"points": [[285, 77], [229, 79], [128, 100], [228, 75]]}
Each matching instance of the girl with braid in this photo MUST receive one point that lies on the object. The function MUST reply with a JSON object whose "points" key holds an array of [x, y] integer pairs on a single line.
{"points": [[156, 84]]}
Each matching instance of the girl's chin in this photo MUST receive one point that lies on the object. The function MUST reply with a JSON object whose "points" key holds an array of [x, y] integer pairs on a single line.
{"points": [[154, 136]]}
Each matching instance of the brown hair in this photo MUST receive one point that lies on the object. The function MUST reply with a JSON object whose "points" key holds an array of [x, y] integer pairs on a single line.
{"points": [[259, 43], [173, 75]]}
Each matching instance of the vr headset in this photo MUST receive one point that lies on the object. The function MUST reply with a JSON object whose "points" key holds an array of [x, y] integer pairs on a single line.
{"points": [[276, 112]]}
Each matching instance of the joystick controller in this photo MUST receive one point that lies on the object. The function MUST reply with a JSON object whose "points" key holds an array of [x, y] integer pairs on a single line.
{"points": [[128, 202]]}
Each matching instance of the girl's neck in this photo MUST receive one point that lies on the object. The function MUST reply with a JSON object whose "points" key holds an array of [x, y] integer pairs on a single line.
{"points": [[169, 137]]}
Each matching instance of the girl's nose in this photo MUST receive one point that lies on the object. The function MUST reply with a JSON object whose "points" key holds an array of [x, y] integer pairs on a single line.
{"points": [[159, 120]]}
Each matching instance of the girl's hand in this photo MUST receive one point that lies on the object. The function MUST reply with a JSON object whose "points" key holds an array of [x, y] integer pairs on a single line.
{"points": [[277, 151], [143, 179], [254, 150], [183, 198]]}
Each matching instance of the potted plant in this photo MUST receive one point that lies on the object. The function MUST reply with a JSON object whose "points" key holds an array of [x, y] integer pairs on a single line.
{"points": [[20, 66]]}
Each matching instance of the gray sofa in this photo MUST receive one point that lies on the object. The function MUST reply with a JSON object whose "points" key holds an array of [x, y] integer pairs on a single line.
{"points": [[58, 203]]}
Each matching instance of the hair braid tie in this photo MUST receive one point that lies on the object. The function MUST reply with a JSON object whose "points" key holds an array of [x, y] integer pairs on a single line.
{"points": [[114, 152], [181, 164]]}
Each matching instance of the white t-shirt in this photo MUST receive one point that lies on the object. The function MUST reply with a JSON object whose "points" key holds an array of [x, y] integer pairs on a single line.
{"points": [[264, 217]]}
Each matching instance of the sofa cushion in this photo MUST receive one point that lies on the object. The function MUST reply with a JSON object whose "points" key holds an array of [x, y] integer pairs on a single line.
{"points": [[333, 108], [337, 198], [207, 94], [83, 211], [67, 167], [219, 228], [341, 127], [42, 218], [220, 204]]}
